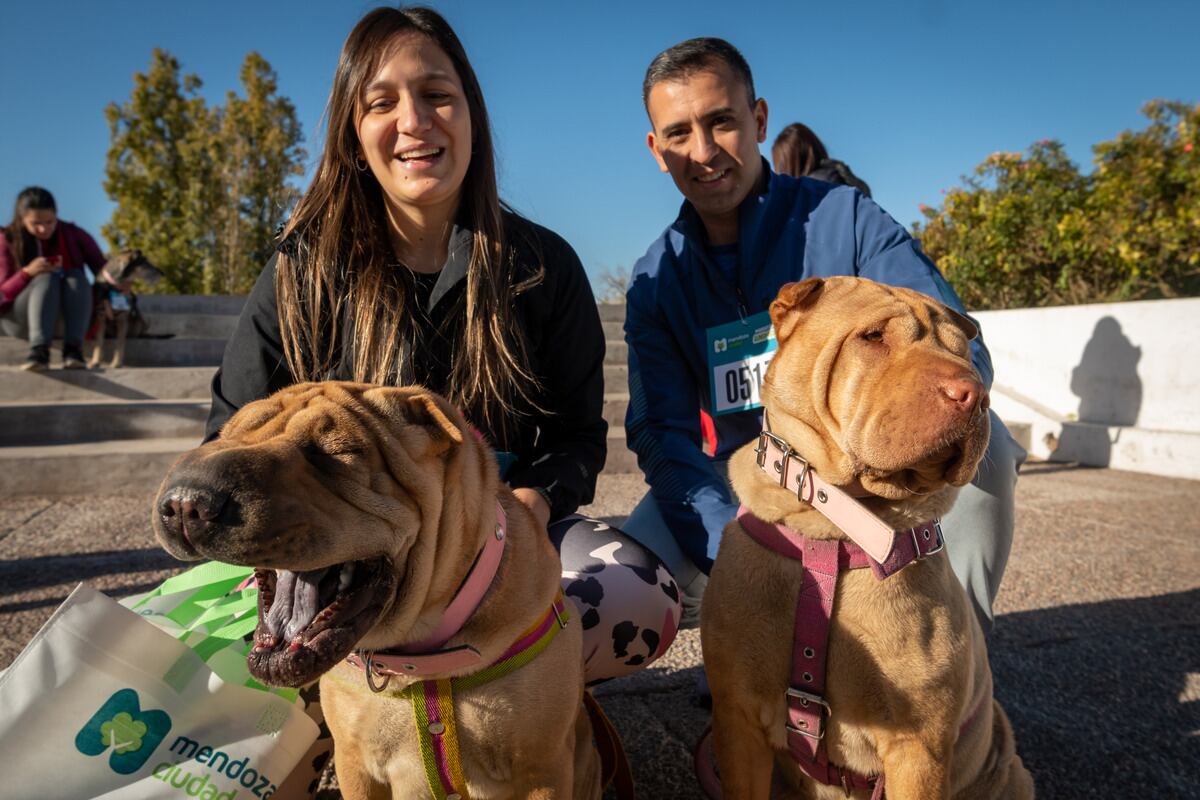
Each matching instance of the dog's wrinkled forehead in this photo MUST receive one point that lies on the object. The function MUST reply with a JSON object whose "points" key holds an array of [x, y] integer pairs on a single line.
{"points": [[345, 416], [855, 304]]}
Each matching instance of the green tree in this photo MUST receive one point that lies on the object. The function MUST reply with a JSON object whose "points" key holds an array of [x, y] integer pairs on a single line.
{"points": [[159, 173], [1144, 206], [1031, 230], [257, 151], [202, 190]]}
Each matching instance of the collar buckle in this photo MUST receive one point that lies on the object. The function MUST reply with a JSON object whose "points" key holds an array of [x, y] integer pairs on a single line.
{"points": [[936, 527], [807, 698], [787, 454], [761, 451]]}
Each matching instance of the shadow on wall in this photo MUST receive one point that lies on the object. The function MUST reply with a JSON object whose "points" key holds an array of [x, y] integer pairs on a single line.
{"points": [[1110, 396]]}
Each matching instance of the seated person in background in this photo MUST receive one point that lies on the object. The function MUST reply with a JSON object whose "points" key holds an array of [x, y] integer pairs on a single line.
{"points": [[42, 278], [798, 152]]}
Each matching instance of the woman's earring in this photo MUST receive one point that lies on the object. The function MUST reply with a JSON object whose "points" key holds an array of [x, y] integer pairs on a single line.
{"points": [[360, 163]]}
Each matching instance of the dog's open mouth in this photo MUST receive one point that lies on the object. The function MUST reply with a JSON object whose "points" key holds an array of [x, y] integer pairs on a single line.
{"points": [[308, 621]]}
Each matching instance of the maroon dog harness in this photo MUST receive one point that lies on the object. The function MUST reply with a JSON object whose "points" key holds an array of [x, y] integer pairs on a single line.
{"points": [[875, 545]]}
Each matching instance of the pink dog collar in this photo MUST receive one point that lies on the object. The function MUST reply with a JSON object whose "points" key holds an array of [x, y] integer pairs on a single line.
{"points": [[868, 531], [427, 657]]}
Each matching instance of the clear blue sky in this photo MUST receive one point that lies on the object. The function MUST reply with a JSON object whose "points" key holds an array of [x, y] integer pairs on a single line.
{"points": [[911, 94]]}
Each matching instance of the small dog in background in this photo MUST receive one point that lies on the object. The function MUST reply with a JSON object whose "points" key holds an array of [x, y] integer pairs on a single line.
{"points": [[114, 303]]}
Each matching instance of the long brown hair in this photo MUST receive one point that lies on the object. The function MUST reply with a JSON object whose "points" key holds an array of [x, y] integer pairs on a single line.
{"points": [[21, 241], [340, 271], [797, 151]]}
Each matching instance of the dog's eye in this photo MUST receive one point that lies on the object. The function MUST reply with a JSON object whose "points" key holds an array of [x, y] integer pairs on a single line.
{"points": [[872, 336], [340, 453]]}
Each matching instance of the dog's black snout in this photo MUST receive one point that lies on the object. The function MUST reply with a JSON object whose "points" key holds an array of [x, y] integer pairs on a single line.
{"points": [[189, 509]]}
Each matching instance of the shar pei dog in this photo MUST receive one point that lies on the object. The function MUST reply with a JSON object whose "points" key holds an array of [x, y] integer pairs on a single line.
{"points": [[393, 565], [848, 680]]}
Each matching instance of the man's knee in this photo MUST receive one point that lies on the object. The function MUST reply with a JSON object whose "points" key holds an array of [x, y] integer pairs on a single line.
{"points": [[979, 529]]}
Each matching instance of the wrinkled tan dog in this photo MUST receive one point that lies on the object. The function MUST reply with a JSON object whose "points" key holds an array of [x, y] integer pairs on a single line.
{"points": [[363, 509], [874, 387]]}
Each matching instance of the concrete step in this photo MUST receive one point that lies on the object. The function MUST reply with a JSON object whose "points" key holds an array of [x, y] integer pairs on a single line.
{"points": [[621, 459], [192, 326], [33, 423], [611, 312], [190, 304], [127, 383], [616, 352], [616, 377], [614, 330], [139, 465], [130, 465], [138, 352], [614, 409]]}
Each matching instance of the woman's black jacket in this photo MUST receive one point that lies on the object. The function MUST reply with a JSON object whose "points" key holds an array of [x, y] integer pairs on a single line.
{"points": [[559, 453]]}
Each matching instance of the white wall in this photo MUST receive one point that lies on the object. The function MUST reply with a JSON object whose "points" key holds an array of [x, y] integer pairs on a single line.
{"points": [[1109, 385]]}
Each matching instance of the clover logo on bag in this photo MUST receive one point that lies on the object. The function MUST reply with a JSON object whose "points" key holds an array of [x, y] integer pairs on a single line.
{"points": [[120, 727]]}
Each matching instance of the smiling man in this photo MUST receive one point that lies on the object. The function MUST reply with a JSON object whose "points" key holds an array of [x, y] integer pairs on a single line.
{"points": [[697, 326]]}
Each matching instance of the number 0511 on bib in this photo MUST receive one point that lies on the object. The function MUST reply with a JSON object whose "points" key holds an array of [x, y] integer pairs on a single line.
{"points": [[738, 355]]}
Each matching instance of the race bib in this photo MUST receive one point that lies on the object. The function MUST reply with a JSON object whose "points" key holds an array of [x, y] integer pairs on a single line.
{"points": [[738, 355], [118, 301]]}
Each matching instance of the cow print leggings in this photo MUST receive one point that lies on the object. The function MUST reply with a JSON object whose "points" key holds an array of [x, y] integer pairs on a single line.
{"points": [[627, 600], [625, 597]]}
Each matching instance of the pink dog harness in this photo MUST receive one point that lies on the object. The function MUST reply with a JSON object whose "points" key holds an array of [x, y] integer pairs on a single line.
{"points": [[432, 699], [875, 545]]}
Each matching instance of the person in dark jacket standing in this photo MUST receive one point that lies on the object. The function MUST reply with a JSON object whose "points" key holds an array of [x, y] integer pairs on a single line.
{"points": [[742, 233], [798, 152], [400, 266], [43, 279]]}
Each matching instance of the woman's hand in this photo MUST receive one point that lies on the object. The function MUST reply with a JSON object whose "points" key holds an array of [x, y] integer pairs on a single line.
{"points": [[537, 504], [39, 266]]}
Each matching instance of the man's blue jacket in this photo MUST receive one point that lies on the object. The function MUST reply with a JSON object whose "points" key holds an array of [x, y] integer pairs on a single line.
{"points": [[798, 228]]}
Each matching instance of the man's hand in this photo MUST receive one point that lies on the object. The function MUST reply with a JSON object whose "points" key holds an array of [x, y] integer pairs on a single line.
{"points": [[537, 504]]}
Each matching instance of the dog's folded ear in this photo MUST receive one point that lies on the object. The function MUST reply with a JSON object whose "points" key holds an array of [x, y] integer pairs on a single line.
{"points": [[423, 409], [794, 297]]}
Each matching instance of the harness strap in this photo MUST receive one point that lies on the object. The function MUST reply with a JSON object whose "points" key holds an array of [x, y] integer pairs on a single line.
{"points": [[614, 764], [822, 560], [433, 703]]}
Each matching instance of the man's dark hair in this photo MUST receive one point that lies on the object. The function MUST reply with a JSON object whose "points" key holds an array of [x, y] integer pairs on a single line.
{"points": [[684, 59]]}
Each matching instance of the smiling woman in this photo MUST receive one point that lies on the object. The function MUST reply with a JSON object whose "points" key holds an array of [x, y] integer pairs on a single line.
{"points": [[401, 266]]}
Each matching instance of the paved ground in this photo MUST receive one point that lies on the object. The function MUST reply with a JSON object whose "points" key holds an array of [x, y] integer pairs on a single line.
{"points": [[1096, 650]]}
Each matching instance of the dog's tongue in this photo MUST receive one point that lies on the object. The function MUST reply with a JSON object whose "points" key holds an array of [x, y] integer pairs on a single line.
{"points": [[297, 602]]}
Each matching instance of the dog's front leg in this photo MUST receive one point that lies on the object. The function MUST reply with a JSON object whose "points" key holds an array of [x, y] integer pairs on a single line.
{"points": [[551, 779], [354, 781], [98, 343], [744, 756], [118, 358], [916, 769]]}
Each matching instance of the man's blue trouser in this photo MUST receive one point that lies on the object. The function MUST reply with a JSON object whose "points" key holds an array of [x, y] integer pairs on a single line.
{"points": [[978, 530]]}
